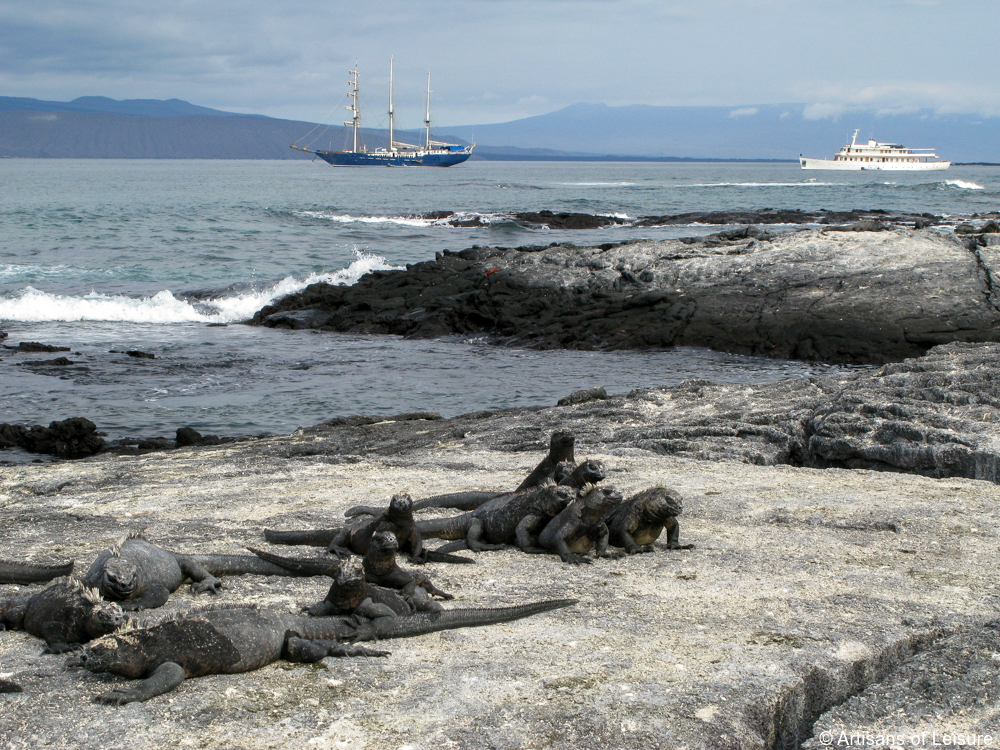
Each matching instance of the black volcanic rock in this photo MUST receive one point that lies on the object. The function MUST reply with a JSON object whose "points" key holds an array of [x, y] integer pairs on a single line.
{"points": [[187, 436], [76, 437], [857, 296], [34, 346], [57, 362]]}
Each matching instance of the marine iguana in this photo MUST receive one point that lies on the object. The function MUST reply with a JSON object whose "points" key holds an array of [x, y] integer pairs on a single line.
{"points": [[65, 614], [350, 593], [637, 523], [561, 446], [580, 527], [141, 575], [354, 539], [494, 528], [235, 640], [499, 521], [25, 573], [381, 568]]}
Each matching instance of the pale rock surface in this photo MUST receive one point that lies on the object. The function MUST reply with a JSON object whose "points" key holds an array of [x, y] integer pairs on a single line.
{"points": [[807, 586]]}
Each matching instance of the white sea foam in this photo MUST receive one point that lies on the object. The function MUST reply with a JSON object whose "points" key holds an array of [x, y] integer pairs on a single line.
{"points": [[407, 221], [33, 305], [596, 184], [964, 185], [804, 183]]}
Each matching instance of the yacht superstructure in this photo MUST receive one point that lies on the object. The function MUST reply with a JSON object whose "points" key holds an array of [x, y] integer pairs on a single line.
{"points": [[875, 155]]}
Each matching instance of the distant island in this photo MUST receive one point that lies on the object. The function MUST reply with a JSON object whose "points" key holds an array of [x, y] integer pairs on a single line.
{"points": [[94, 127]]}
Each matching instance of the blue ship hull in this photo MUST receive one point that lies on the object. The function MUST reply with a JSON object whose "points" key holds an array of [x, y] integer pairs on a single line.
{"points": [[435, 158]]}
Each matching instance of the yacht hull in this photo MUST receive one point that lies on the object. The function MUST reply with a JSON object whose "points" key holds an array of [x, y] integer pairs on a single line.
{"points": [[363, 159], [926, 166]]}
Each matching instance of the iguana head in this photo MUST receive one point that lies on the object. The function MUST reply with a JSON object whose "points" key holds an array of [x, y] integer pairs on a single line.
{"points": [[120, 654], [349, 588], [590, 471], [381, 554], [554, 499], [599, 500], [564, 470], [104, 617], [561, 446], [119, 578], [384, 542], [400, 507], [658, 503]]}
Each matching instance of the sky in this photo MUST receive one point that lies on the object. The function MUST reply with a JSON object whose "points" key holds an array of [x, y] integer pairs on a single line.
{"points": [[499, 60]]}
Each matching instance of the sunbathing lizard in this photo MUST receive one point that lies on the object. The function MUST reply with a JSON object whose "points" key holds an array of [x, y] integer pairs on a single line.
{"points": [[235, 640], [638, 522], [65, 614], [141, 575], [349, 593], [354, 539], [512, 518], [580, 527]]}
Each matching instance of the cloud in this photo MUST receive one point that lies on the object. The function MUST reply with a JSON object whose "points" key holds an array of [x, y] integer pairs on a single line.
{"points": [[534, 100], [823, 111], [532, 56]]}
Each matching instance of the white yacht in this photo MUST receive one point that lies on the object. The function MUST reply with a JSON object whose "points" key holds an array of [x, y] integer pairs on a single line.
{"points": [[875, 155]]}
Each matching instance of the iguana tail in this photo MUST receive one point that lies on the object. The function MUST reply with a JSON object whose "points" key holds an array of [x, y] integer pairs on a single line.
{"points": [[450, 527], [437, 555], [458, 500], [291, 566], [243, 565], [24, 573], [310, 538], [406, 626]]}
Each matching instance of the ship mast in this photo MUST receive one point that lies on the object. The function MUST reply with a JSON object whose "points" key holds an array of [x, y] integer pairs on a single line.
{"points": [[392, 145], [427, 116], [353, 107]]}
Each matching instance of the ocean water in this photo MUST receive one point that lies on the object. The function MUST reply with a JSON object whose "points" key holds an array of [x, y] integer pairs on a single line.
{"points": [[168, 257]]}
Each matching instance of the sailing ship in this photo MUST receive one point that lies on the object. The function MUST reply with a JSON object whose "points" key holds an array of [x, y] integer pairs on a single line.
{"points": [[875, 155], [396, 153]]}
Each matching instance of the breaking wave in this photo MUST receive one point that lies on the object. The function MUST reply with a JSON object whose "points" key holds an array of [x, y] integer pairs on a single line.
{"points": [[804, 183], [35, 306], [964, 184]]}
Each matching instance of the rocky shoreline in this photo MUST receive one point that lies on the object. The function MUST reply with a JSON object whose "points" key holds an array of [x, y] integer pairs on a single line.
{"points": [[821, 595], [866, 292], [844, 573]]}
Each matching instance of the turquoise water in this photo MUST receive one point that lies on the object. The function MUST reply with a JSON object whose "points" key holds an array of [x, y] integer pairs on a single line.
{"points": [[100, 255]]}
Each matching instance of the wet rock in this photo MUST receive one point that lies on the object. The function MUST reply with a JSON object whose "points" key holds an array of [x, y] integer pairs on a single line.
{"points": [[850, 297], [298, 319], [57, 362], [76, 437], [566, 220], [34, 346], [155, 444], [187, 436], [140, 355], [583, 396]]}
